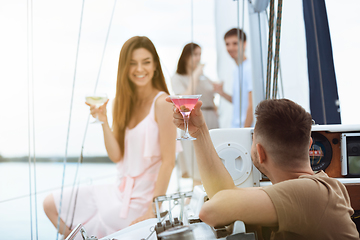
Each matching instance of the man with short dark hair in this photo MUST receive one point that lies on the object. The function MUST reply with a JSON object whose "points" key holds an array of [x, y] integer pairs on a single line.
{"points": [[299, 205], [235, 40]]}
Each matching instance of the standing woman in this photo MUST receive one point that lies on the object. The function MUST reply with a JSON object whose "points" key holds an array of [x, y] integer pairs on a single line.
{"points": [[141, 142], [189, 79]]}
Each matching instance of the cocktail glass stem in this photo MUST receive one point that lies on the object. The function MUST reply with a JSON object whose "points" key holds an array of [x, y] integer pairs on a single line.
{"points": [[97, 120], [186, 117], [185, 104]]}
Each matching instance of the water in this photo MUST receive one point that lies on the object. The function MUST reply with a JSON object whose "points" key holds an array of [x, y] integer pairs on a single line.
{"points": [[14, 194]]}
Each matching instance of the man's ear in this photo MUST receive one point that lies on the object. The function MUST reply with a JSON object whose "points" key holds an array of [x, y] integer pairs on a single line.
{"points": [[261, 153], [311, 142]]}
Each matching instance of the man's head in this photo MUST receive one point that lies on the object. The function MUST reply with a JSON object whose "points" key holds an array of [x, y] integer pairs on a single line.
{"points": [[233, 38], [283, 129]]}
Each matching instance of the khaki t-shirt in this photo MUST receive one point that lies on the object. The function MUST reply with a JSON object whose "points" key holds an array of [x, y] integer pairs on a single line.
{"points": [[312, 207]]}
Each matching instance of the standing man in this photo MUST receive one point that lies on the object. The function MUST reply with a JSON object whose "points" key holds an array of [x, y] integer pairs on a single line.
{"points": [[235, 40]]}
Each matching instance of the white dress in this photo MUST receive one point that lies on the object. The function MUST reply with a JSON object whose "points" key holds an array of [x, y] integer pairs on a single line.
{"points": [[105, 209]]}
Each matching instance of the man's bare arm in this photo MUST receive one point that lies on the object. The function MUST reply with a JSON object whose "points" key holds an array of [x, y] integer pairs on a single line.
{"points": [[250, 205], [213, 173], [249, 112]]}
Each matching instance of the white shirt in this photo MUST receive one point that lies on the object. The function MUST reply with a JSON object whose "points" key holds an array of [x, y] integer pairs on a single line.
{"points": [[246, 87]]}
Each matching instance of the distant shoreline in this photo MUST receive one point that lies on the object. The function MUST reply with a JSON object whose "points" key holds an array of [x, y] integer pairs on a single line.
{"points": [[94, 159]]}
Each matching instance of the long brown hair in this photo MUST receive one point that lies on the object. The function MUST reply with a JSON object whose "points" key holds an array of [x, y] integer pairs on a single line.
{"points": [[184, 57], [126, 96]]}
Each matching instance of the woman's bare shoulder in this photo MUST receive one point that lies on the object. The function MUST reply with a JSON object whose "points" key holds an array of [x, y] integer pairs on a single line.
{"points": [[160, 101]]}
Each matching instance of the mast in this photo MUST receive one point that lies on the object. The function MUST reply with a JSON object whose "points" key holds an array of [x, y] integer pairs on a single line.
{"points": [[258, 47]]}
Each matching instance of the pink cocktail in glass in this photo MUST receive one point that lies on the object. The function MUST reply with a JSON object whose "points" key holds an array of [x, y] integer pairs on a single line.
{"points": [[185, 103]]}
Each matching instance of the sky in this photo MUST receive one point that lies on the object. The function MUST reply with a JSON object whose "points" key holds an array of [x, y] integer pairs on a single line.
{"points": [[167, 23], [55, 35]]}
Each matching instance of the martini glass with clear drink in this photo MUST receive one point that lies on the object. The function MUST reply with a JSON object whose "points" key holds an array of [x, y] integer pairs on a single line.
{"points": [[97, 100], [185, 103]]}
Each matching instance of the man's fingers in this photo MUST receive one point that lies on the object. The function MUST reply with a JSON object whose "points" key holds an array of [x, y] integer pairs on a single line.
{"points": [[179, 123], [176, 110], [177, 114], [197, 106], [168, 99]]}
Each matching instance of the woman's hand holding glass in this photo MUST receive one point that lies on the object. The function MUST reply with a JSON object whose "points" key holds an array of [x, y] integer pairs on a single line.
{"points": [[198, 71], [218, 87], [98, 112]]}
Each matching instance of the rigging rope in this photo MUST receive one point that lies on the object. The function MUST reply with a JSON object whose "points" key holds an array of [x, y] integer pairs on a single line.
{"points": [[193, 87], [261, 46], [80, 160], [105, 45], [242, 59], [281, 80], [30, 79], [270, 44], [240, 53], [68, 132], [277, 48], [277, 52], [59, 187]]}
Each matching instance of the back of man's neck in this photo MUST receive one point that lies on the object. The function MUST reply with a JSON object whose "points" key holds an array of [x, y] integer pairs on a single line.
{"points": [[289, 175]]}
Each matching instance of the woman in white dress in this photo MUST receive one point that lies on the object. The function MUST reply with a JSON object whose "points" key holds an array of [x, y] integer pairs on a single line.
{"points": [[189, 79], [141, 142]]}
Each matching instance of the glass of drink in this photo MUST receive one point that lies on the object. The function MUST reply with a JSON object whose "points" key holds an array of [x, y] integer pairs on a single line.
{"points": [[185, 103], [202, 76], [97, 100]]}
